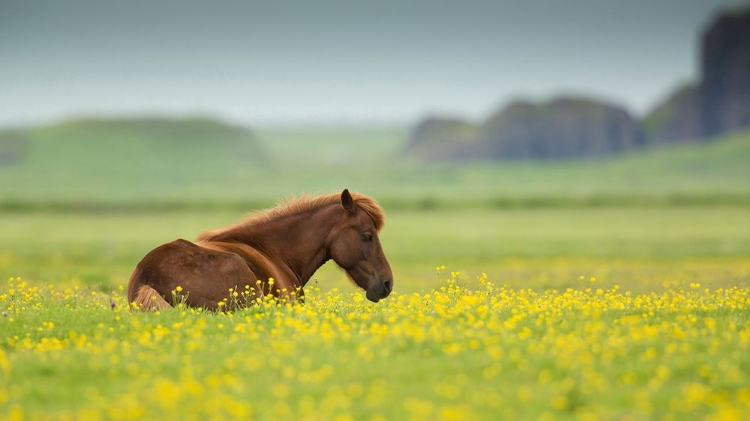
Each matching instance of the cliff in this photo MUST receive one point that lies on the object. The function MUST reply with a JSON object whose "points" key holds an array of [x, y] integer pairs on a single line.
{"points": [[720, 102]]}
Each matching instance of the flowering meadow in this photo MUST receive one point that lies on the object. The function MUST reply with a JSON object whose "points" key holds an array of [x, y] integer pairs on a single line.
{"points": [[605, 289], [469, 349]]}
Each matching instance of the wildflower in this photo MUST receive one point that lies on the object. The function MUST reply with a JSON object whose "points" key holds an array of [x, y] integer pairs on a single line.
{"points": [[112, 304], [560, 350]]}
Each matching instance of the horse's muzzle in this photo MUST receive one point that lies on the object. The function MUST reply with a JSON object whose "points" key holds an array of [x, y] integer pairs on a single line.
{"points": [[380, 291], [387, 287]]}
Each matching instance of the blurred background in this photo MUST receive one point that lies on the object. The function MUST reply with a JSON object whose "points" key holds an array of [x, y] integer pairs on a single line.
{"points": [[542, 142]]}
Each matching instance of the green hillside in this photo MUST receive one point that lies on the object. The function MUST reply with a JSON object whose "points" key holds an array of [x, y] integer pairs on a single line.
{"points": [[201, 162], [113, 160]]}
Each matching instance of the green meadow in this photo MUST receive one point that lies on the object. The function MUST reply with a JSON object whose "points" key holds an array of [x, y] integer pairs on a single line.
{"points": [[88, 198], [206, 164], [549, 247], [615, 288]]}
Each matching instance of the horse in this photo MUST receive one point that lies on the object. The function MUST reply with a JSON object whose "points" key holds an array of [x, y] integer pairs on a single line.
{"points": [[271, 253]]}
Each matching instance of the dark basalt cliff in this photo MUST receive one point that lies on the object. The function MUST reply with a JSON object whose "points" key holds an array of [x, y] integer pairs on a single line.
{"points": [[718, 103], [725, 87], [562, 128]]}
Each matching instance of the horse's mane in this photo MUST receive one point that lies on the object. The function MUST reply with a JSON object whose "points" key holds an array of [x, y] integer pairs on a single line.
{"points": [[297, 205]]}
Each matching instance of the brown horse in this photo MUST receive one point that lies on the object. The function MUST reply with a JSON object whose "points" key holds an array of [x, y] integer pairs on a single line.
{"points": [[273, 252]]}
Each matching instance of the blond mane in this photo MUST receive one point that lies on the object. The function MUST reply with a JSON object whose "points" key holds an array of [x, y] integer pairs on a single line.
{"points": [[297, 205]]}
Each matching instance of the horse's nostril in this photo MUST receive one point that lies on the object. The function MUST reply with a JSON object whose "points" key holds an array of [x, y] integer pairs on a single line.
{"points": [[388, 286]]}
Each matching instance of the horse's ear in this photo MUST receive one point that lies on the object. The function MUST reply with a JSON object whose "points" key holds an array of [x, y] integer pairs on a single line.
{"points": [[347, 201]]}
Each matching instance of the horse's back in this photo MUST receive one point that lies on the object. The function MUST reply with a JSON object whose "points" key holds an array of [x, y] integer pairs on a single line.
{"points": [[204, 274]]}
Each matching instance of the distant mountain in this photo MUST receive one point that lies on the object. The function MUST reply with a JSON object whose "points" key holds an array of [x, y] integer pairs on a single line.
{"points": [[123, 157], [562, 128], [720, 102], [725, 88], [438, 138], [152, 145], [577, 127], [677, 119]]}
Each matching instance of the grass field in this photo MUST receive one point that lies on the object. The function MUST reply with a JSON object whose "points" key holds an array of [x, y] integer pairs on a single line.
{"points": [[77, 165], [454, 353], [549, 247], [614, 289], [555, 313]]}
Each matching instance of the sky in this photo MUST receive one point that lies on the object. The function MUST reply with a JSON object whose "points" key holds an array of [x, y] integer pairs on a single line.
{"points": [[329, 61]]}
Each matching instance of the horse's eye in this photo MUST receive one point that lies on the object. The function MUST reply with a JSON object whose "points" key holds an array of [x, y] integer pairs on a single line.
{"points": [[367, 237]]}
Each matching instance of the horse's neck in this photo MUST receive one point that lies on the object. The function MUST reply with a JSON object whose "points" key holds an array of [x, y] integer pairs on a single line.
{"points": [[297, 241]]}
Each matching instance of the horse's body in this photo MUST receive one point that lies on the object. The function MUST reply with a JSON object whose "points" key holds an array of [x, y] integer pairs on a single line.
{"points": [[271, 253]]}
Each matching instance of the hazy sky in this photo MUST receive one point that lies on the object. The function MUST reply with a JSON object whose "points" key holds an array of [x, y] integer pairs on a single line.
{"points": [[267, 62]]}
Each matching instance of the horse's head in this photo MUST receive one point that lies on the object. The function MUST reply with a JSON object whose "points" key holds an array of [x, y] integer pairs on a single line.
{"points": [[354, 245]]}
